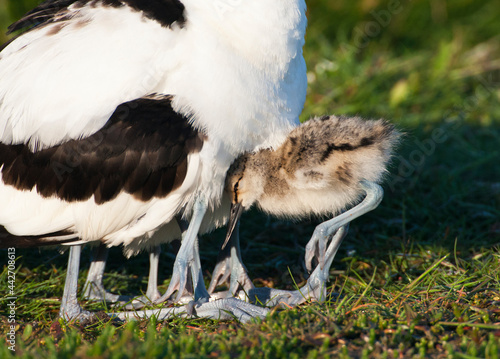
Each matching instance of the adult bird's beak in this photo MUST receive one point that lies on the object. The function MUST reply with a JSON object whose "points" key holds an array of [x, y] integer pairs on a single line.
{"points": [[236, 211]]}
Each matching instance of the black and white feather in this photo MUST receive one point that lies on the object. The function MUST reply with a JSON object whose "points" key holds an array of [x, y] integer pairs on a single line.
{"points": [[139, 157], [117, 114]]}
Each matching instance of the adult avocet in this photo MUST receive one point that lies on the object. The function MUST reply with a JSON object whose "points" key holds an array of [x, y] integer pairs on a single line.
{"points": [[82, 87]]}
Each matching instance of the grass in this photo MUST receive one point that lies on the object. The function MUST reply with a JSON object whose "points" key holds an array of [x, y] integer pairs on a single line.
{"points": [[418, 277]]}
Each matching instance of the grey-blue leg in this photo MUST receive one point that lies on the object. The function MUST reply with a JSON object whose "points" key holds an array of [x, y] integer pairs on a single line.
{"points": [[152, 293], [315, 287], [221, 309], [188, 260], [94, 288], [230, 268], [336, 227], [317, 244], [70, 308]]}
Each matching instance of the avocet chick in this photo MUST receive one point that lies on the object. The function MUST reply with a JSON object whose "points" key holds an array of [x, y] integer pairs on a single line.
{"points": [[324, 166]]}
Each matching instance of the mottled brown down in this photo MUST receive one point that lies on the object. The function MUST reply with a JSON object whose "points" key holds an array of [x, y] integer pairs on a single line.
{"points": [[318, 168]]}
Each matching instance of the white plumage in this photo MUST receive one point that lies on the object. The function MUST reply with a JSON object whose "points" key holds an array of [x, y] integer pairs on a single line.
{"points": [[237, 74], [240, 76]]}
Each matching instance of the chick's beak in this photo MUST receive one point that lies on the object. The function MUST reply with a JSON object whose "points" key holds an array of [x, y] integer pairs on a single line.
{"points": [[236, 211]]}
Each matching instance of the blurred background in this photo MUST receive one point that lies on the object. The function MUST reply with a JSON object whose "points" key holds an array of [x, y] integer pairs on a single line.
{"points": [[431, 67]]}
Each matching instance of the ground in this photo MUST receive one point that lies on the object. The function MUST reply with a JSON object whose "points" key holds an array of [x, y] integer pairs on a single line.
{"points": [[418, 277]]}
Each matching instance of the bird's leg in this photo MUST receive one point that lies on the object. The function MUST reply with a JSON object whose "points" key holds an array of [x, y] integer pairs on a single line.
{"points": [[315, 287], [152, 293], [222, 309], [230, 308], [230, 268], [188, 294], [154, 260], [188, 260], [222, 270], [94, 288], [316, 284], [316, 247], [70, 308]]}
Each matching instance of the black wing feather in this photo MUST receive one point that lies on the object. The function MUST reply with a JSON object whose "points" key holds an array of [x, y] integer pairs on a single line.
{"points": [[44, 13], [143, 152], [166, 12]]}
